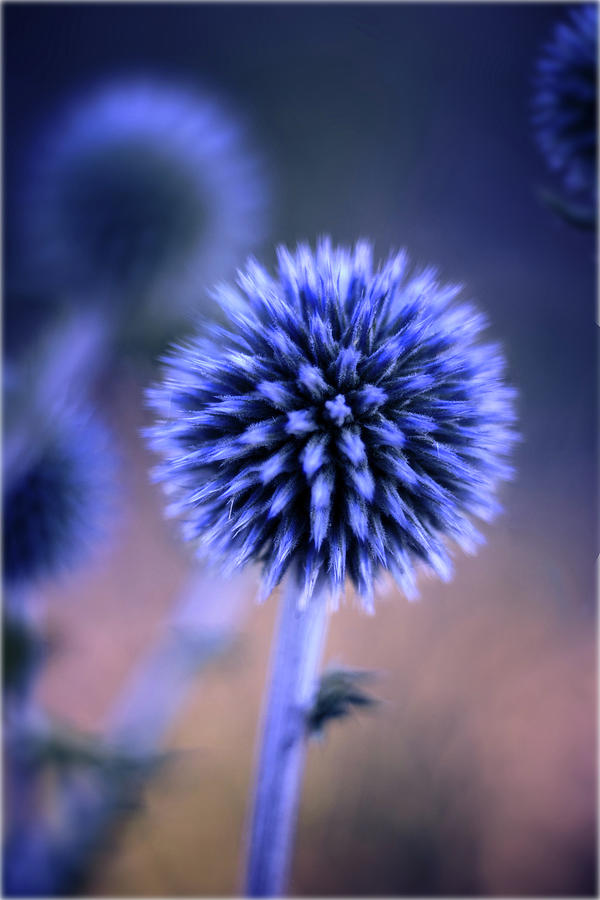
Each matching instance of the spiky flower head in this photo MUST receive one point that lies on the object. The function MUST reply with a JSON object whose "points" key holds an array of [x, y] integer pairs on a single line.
{"points": [[140, 180], [57, 486], [565, 114], [346, 424]]}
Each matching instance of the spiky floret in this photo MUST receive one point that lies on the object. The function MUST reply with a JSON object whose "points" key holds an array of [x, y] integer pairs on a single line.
{"points": [[140, 179], [565, 114], [56, 490], [347, 422]]}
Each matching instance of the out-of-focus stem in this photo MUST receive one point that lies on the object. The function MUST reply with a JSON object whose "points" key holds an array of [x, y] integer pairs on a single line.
{"points": [[295, 658], [23, 837], [203, 622]]}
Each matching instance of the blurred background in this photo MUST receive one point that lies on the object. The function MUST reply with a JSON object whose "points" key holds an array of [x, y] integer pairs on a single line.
{"points": [[409, 124]]}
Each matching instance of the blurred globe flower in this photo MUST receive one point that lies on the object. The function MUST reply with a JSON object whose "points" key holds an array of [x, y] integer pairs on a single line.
{"points": [[143, 188], [56, 489], [565, 99], [348, 422]]}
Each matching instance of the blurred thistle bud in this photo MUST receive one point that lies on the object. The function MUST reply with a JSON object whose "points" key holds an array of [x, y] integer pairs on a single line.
{"points": [[339, 692], [347, 423], [58, 477], [565, 116], [141, 192]]}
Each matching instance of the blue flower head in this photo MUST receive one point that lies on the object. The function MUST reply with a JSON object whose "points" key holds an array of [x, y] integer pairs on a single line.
{"points": [[56, 489], [345, 425], [565, 100], [140, 181]]}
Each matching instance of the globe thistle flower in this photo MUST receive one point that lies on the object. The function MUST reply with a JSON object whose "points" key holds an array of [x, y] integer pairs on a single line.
{"points": [[140, 181], [565, 99], [347, 424], [57, 481]]}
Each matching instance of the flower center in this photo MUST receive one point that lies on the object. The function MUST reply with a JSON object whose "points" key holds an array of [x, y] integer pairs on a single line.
{"points": [[338, 410]]}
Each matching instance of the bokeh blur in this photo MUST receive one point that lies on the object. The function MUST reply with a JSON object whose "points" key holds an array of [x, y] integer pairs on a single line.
{"points": [[409, 124]]}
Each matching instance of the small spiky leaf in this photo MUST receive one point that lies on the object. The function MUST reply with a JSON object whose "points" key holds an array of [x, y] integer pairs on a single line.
{"points": [[22, 651], [339, 692]]}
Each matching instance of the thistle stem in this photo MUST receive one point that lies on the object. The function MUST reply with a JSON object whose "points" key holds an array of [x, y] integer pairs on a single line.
{"points": [[295, 658]]}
